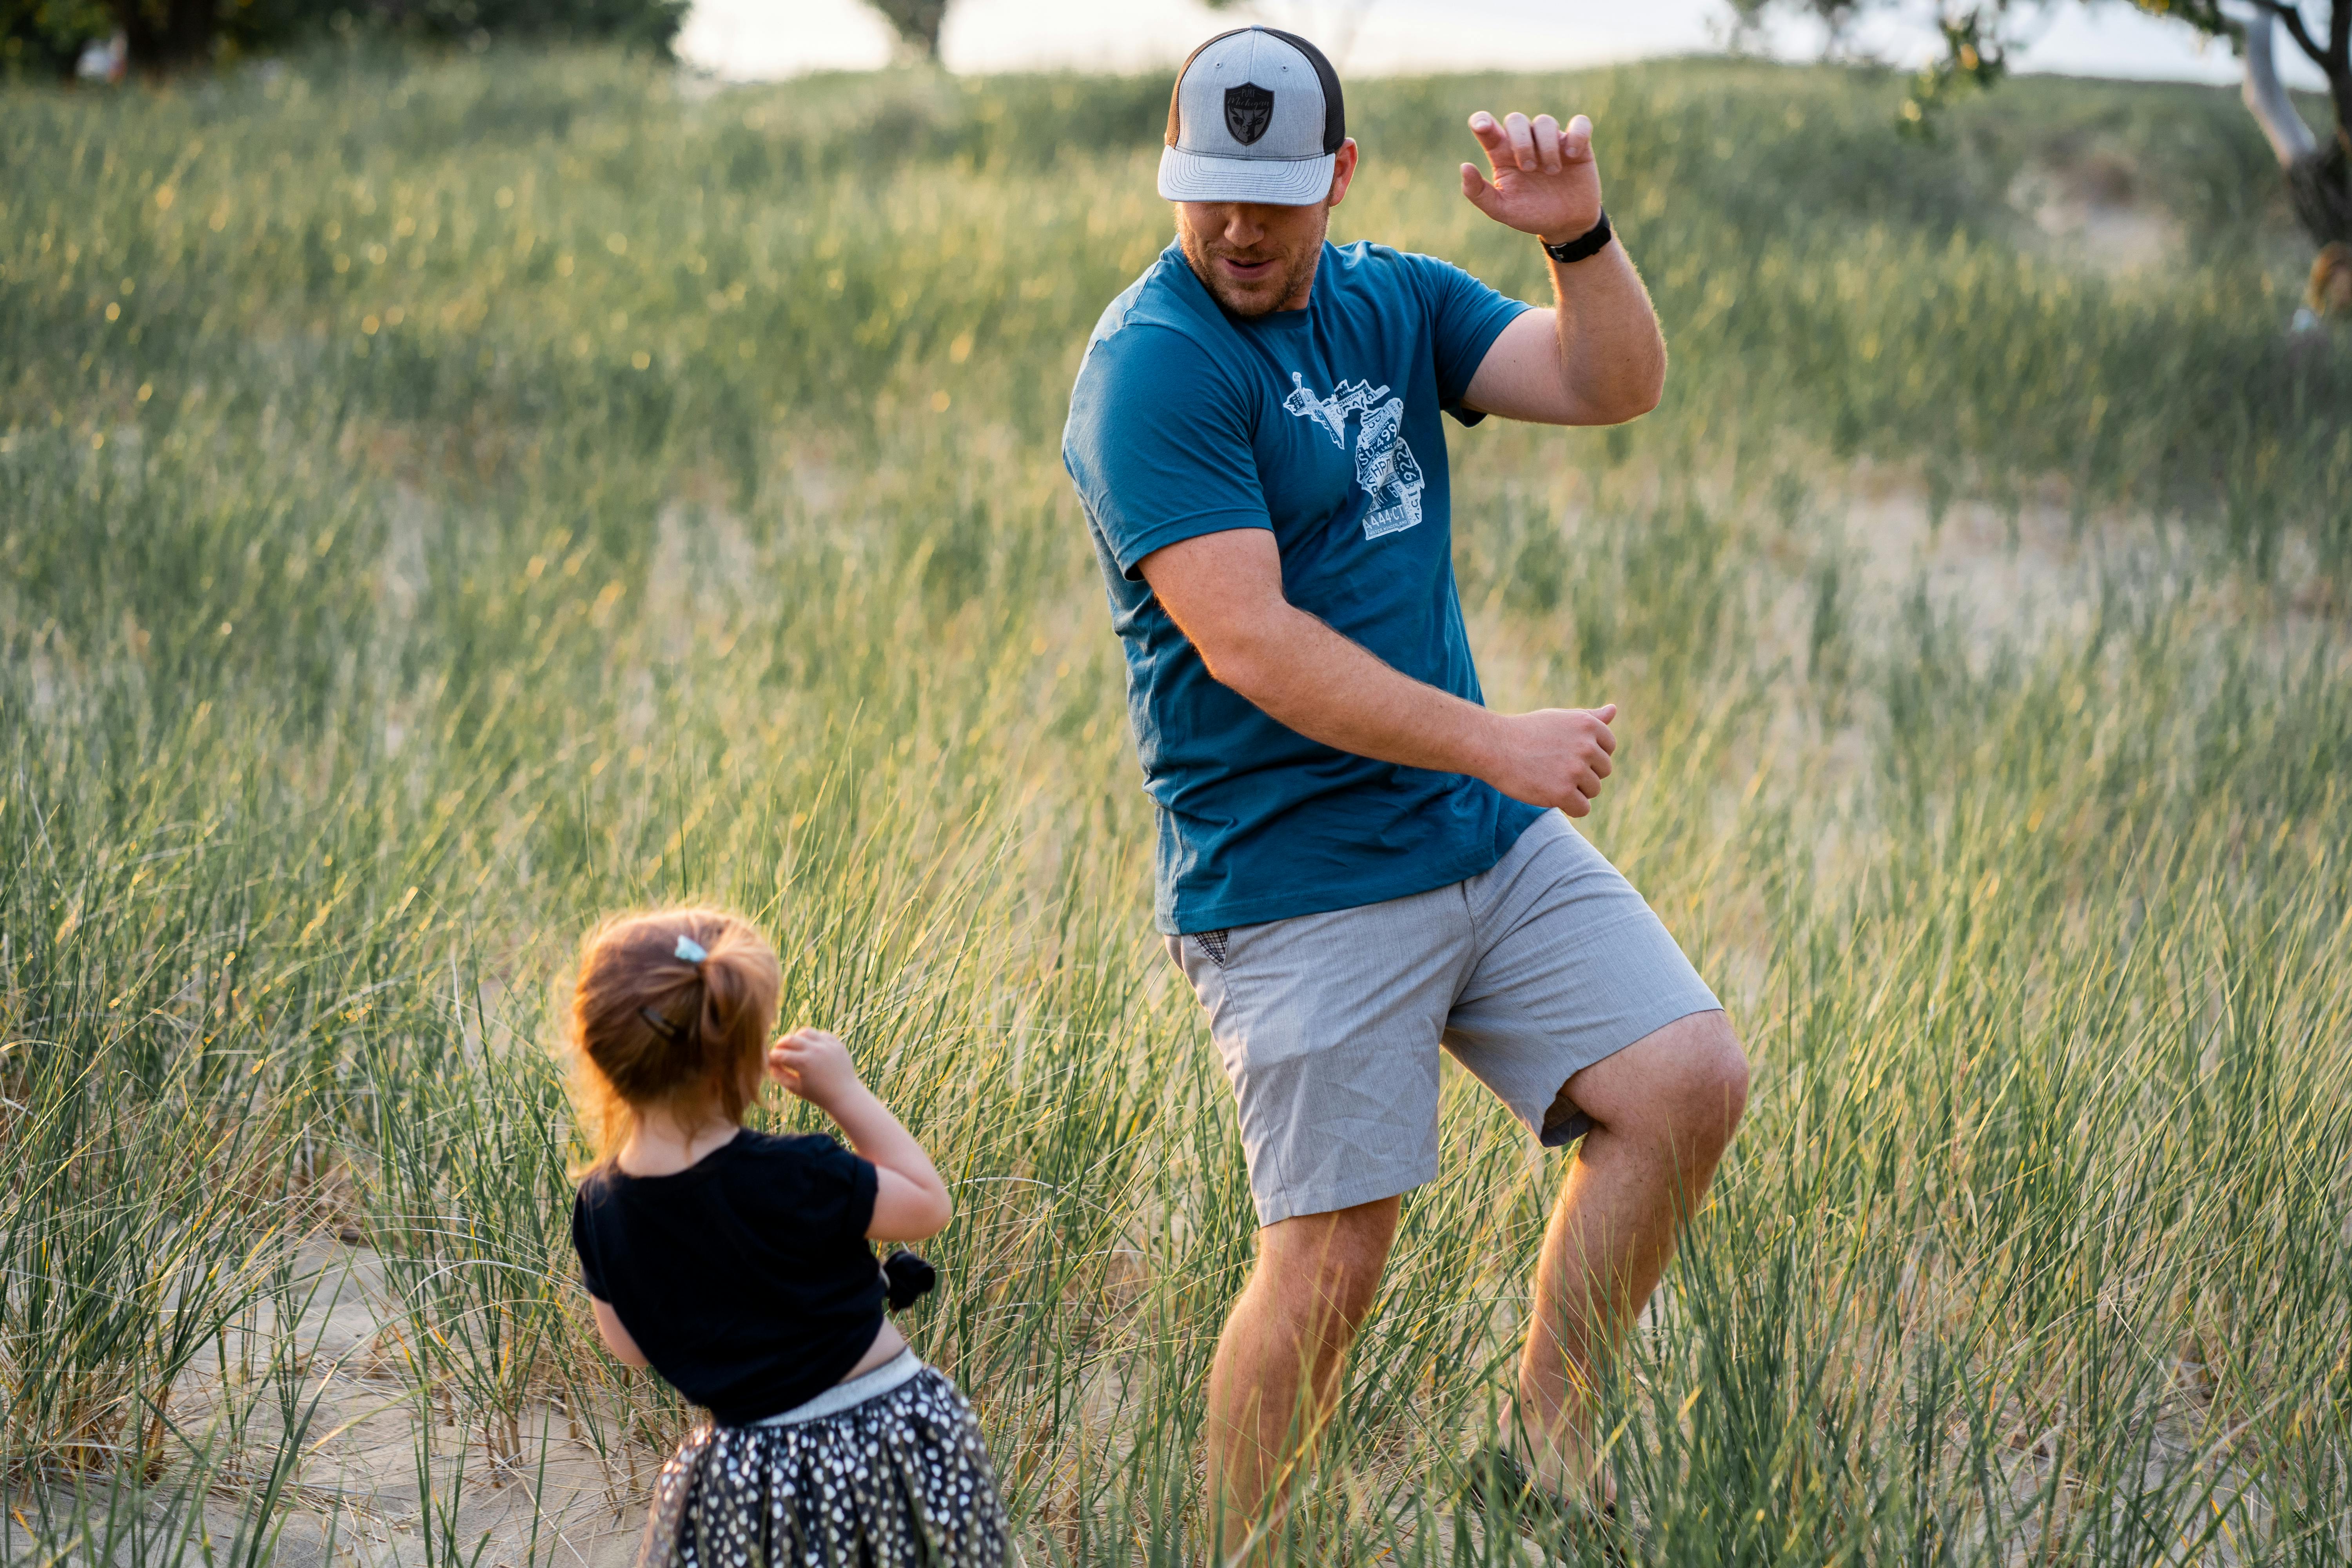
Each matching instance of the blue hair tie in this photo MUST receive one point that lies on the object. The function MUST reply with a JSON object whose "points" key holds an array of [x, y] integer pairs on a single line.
{"points": [[691, 951]]}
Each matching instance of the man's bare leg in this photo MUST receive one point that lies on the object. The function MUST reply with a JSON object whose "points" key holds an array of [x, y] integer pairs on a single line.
{"points": [[1312, 1288], [1664, 1109]]}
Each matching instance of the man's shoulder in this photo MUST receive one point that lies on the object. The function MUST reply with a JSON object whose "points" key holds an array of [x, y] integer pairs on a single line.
{"points": [[1152, 347], [1146, 301], [1378, 268], [1370, 259], [1154, 320]]}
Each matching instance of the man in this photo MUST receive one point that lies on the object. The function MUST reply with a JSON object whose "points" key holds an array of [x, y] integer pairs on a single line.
{"points": [[1357, 861]]}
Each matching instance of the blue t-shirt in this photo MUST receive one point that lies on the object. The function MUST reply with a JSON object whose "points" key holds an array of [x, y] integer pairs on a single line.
{"points": [[1321, 425]]}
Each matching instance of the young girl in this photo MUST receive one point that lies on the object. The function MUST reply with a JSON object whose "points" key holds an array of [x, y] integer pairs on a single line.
{"points": [[736, 1265]]}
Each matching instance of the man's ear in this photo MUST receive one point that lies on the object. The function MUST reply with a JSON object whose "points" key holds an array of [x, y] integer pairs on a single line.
{"points": [[1343, 169]]}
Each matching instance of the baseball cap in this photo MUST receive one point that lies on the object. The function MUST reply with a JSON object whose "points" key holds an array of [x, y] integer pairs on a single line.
{"points": [[1256, 117]]}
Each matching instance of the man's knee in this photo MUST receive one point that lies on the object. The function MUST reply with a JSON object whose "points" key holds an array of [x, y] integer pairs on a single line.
{"points": [[1715, 1091], [1685, 1084], [1329, 1264]]}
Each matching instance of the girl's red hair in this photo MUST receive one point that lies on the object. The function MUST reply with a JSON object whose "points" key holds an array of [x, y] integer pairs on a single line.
{"points": [[652, 1030]]}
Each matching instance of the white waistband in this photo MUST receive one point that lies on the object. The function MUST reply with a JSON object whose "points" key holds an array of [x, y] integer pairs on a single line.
{"points": [[843, 1396]]}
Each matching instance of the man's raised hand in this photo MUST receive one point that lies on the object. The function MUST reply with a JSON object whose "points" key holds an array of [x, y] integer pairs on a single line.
{"points": [[1543, 179], [1553, 756]]}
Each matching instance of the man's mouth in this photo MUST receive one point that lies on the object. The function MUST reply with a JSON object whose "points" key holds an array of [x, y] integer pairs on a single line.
{"points": [[1248, 271]]}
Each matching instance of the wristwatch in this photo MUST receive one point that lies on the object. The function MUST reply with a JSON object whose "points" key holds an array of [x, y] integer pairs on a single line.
{"points": [[1589, 243]]}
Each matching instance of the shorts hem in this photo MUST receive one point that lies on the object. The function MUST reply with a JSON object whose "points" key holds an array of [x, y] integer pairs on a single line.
{"points": [[1340, 1196]]}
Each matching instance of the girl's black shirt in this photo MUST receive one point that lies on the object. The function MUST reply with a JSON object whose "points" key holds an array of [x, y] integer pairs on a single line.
{"points": [[746, 1278]]}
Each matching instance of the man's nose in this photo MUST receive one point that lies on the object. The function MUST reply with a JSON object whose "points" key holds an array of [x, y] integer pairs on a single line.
{"points": [[1242, 229]]}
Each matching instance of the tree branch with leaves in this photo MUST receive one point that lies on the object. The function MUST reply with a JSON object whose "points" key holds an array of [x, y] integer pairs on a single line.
{"points": [[1977, 39], [166, 36]]}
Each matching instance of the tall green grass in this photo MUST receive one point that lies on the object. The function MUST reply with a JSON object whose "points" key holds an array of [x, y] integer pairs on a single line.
{"points": [[441, 503]]}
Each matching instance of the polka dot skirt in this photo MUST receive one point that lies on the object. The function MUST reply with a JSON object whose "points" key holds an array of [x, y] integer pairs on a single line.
{"points": [[900, 1481]]}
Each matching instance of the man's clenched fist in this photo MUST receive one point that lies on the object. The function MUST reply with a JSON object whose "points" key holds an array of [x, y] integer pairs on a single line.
{"points": [[1553, 756]]}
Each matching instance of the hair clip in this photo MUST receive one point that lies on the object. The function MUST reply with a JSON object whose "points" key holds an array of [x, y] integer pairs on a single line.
{"points": [[662, 1026], [690, 950]]}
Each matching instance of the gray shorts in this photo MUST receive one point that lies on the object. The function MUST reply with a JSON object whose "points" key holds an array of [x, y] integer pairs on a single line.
{"points": [[1328, 1024]]}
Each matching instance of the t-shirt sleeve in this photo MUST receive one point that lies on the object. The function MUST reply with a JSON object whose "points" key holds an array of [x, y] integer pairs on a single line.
{"points": [[1159, 444], [585, 1245], [1465, 317], [835, 1189]]}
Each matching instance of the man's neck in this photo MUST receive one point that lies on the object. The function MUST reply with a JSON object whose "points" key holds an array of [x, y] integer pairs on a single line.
{"points": [[1306, 290], [1297, 299]]}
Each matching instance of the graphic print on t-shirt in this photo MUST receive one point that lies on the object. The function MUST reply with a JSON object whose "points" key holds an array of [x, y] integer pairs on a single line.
{"points": [[1385, 466]]}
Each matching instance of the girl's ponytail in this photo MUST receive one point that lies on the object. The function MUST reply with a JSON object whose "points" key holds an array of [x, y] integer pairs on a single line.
{"points": [[740, 979]]}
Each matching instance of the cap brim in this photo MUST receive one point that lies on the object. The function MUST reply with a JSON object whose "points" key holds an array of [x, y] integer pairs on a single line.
{"points": [[1278, 182]]}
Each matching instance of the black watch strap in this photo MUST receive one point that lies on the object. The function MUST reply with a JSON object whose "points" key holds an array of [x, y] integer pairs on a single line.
{"points": [[1589, 243]]}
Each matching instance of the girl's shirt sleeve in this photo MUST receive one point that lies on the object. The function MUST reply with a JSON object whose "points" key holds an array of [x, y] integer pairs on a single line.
{"points": [[834, 1188], [584, 1243]]}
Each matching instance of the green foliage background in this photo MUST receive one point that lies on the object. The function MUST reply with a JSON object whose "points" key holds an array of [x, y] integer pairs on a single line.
{"points": [[443, 501], [49, 35]]}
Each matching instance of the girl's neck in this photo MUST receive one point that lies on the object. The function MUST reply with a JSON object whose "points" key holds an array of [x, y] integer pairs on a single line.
{"points": [[663, 1144]]}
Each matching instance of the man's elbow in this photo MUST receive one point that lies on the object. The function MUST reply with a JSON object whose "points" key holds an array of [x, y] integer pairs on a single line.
{"points": [[1653, 389], [1624, 404], [1239, 661], [1642, 390]]}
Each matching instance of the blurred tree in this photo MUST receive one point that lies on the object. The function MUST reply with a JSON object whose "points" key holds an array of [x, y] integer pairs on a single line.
{"points": [[650, 23], [916, 23], [1976, 38], [168, 34], [49, 35]]}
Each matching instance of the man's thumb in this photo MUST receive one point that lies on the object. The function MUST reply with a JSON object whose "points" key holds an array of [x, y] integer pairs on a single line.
{"points": [[1605, 712], [1481, 195]]}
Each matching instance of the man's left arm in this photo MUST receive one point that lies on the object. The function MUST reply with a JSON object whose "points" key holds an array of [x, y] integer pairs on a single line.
{"points": [[1596, 357]]}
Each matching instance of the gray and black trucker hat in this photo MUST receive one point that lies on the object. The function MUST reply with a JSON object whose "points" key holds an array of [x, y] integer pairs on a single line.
{"points": [[1256, 117]]}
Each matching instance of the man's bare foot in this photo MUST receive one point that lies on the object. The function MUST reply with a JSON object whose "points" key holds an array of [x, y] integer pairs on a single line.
{"points": [[1563, 1463], [1501, 1488]]}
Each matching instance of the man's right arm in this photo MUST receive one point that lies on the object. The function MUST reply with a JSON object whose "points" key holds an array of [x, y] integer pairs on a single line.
{"points": [[1224, 590]]}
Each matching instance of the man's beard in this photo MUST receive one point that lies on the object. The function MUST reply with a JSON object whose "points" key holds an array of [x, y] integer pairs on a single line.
{"points": [[1297, 269]]}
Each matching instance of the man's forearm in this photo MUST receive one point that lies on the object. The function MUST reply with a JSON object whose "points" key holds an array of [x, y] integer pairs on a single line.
{"points": [[1308, 678], [1225, 591]]}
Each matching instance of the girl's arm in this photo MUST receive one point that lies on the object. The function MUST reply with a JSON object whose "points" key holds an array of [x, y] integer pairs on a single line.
{"points": [[616, 1338], [910, 1202]]}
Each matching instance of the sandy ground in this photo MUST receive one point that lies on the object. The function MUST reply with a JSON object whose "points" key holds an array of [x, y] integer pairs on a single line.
{"points": [[358, 1496]]}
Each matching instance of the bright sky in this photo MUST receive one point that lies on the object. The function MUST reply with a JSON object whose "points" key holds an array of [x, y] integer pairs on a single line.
{"points": [[757, 39]]}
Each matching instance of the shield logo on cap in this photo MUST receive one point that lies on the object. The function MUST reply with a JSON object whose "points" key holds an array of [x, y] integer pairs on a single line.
{"points": [[1249, 109]]}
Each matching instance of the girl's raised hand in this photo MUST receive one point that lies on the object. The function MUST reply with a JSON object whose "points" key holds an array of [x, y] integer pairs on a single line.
{"points": [[814, 1065], [910, 1202]]}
